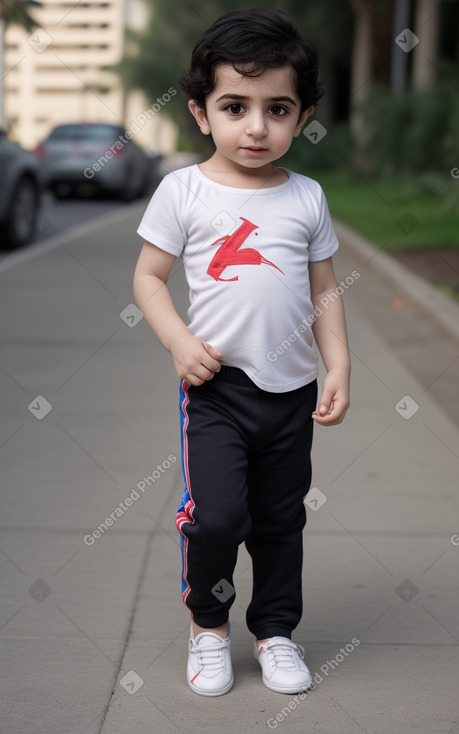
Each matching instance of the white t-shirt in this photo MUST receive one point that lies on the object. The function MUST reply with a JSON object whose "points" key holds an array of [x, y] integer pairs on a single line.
{"points": [[246, 255]]}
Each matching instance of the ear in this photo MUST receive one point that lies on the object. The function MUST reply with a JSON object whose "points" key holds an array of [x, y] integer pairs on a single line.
{"points": [[303, 117], [199, 115]]}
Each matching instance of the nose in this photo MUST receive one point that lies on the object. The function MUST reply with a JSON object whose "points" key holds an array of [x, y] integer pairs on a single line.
{"points": [[256, 125]]}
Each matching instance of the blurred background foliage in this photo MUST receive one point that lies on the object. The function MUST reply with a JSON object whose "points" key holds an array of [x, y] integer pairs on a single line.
{"points": [[413, 131]]}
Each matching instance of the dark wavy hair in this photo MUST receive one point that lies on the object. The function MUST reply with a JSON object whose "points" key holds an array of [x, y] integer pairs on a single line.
{"points": [[253, 41]]}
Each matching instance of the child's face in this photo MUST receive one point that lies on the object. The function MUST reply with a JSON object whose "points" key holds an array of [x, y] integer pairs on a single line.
{"points": [[252, 120]]}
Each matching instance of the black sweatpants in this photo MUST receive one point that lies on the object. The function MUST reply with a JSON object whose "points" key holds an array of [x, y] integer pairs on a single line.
{"points": [[247, 468]]}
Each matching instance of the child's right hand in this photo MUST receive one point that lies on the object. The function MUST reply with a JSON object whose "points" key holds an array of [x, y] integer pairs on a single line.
{"points": [[195, 361]]}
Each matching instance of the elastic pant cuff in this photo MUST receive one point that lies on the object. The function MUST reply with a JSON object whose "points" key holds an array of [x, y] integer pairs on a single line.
{"points": [[211, 621], [272, 630]]}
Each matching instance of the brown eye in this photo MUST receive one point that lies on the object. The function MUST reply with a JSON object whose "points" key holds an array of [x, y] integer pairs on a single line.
{"points": [[235, 109], [278, 110]]}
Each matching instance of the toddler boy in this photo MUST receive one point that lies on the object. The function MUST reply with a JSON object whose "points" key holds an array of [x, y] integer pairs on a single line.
{"points": [[257, 244]]}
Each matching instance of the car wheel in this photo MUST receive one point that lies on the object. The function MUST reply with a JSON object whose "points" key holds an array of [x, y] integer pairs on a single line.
{"points": [[61, 190], [19, 227], [147, 185]]}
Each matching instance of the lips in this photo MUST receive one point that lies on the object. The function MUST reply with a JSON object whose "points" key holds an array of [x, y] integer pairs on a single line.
{"points": [[253, 147]]}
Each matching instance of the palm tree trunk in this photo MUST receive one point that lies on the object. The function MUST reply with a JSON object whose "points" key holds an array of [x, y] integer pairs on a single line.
{"points": [[2, 85], [362, 61], [18, 12], [399, 60], [426, 27]]}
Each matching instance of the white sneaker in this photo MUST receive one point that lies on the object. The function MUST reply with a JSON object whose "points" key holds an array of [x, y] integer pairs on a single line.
{"points": [[209, 670], [283, 666]]}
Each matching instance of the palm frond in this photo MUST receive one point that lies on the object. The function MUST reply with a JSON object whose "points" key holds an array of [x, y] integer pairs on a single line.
{"points": [[18, 12]]}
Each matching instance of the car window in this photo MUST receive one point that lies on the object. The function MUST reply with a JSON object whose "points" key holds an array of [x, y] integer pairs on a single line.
{"points": [[85, 132]]}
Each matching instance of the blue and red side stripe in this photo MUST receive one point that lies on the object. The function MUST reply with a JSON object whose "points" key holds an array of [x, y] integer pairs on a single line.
{"points": [[185, 511]]}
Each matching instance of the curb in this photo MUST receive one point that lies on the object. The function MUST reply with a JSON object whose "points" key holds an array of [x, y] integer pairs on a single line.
{"points": [[442, 308]]}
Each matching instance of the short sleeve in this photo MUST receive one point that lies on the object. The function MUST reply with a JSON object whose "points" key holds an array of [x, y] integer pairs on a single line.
{"points": [[323, 242], [162, 223]]}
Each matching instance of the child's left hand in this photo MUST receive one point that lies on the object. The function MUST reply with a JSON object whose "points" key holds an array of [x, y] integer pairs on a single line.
{"points": [[334, 400]]}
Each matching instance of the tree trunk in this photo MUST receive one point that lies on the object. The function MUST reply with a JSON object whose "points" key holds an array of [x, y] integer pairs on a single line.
{"points": [[362, 66], [425, 53], [2, 81], [399, 59]]}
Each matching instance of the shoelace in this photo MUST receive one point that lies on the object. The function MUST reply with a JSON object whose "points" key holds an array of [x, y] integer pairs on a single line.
{"points": [[210, 656], [283, 654]]}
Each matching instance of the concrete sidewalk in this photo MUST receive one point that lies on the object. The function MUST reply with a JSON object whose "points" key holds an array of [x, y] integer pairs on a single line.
{"points": [[93, 634]]}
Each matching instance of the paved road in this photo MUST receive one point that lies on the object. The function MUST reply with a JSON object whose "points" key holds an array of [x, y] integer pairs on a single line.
{"points": [[59, 215], [93, 634]]}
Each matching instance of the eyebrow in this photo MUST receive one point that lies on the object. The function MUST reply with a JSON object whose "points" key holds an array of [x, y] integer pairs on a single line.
{"points": [[244, 98]]}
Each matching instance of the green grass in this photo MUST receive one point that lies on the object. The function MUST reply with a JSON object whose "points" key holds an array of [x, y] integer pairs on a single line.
{"points": [[448, 290], [378, 208]]}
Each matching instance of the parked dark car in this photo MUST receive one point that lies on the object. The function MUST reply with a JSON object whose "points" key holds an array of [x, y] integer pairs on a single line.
{"points": [[19, 193], [81, 157]]}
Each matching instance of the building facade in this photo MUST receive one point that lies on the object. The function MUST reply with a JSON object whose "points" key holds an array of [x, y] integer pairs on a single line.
{"points": [[58, 74]]}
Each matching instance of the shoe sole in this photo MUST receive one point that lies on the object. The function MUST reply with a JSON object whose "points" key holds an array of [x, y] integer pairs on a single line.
{"points": [[287, 689], [220, 692]]}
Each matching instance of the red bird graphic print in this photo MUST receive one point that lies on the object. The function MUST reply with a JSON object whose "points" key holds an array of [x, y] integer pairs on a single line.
{"points": [[229, 252]]}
